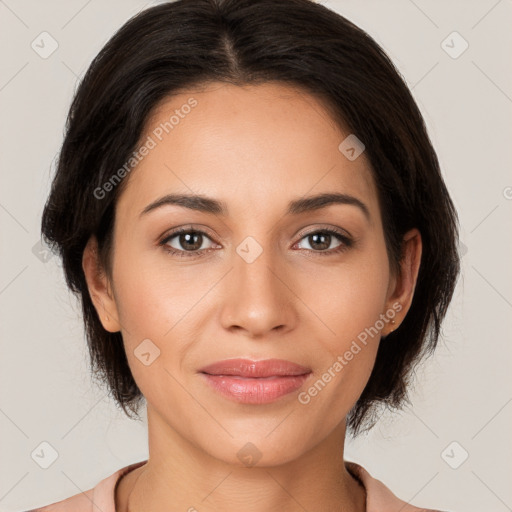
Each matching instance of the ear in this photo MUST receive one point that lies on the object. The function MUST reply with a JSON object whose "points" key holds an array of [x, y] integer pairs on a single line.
{"points": [[402, 286], [99, 287]]}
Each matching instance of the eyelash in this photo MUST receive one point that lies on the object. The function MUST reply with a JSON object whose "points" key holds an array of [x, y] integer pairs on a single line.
{"points": [[346, 243]]}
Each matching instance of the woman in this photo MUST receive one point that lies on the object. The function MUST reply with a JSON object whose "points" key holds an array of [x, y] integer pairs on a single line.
{"points": [[249, 207]]}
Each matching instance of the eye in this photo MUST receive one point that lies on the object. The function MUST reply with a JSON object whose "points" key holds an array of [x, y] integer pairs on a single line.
{"points": [[320, 241], [186, 240]]}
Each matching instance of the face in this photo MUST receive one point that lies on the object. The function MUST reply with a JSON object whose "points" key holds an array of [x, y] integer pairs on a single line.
{"points": [[259, 272]]}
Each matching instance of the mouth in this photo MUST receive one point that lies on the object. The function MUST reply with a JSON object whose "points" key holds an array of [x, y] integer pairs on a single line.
{"points": [[255, 382]]}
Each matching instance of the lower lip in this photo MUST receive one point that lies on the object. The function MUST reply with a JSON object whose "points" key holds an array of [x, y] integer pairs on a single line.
{"points": [[254, 390]]}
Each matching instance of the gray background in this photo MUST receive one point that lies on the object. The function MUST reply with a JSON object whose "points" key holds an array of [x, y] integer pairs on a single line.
{"points": [[462, 395]]}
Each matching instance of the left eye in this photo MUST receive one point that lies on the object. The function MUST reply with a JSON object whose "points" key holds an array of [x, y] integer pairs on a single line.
{"points": [[320, 241]]}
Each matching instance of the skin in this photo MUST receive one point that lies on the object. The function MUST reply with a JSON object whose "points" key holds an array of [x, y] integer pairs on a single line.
{"points": [[256, 148]]}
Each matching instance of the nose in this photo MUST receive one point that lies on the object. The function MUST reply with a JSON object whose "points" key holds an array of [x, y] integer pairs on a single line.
{"points": [[258, 298]]}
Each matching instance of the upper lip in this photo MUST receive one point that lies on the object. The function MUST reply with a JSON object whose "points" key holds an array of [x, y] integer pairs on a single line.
{"points": [[255, 369]]}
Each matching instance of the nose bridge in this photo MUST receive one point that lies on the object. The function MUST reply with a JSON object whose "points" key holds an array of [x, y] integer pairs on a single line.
{"points": [[258, 300]]}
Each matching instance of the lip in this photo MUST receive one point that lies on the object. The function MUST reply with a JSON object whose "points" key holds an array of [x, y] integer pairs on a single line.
{"points": [[255, 382], [254, 369]]}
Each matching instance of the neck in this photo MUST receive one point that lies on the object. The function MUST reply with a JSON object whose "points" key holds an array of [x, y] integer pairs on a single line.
{"points": [[180, 477]]}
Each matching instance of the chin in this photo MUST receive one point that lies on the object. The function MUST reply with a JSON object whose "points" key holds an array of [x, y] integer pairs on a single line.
{"points": [[257, 447]]}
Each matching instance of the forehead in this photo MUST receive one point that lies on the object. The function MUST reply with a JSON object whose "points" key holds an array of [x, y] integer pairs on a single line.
{"points": [[251, 146]]}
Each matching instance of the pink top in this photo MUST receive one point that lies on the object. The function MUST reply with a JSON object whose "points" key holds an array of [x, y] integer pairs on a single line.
{"points": [[378, 497]]}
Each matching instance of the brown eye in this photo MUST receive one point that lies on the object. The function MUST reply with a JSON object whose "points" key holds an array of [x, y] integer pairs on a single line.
{"points": [[320, 241], [186, 240], [190, 241]]}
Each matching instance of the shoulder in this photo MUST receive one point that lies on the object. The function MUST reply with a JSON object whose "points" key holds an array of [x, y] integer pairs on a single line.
{"points": [[100, 497], [379, 498]]}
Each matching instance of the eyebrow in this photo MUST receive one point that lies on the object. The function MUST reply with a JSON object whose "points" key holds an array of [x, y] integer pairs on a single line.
{"points": [[209, 205]]}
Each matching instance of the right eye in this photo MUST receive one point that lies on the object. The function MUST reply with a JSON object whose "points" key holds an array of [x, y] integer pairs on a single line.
{"points": [[185, 240]]}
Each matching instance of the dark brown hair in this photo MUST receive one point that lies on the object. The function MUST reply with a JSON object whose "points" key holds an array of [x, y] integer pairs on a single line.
{"points": [[178, 45]]}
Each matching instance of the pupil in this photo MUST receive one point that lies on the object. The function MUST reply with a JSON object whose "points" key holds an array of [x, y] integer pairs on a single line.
{"points": [[324, 245], [187, 240]]}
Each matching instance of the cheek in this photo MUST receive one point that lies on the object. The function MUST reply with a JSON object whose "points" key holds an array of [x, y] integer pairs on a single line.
{"points": [[348, 298], [163, 303], [153, 295]]}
